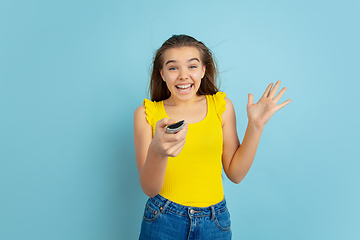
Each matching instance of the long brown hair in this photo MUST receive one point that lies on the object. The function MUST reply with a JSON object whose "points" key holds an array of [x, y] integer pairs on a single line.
{"points": [[158, 89]]}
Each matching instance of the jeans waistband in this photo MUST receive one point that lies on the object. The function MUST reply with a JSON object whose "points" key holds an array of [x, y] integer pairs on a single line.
{"points": [[167, 205]]}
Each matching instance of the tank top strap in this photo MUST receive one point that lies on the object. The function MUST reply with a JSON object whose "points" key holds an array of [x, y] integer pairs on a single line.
{"points": [[150, 110], [220, 103]]}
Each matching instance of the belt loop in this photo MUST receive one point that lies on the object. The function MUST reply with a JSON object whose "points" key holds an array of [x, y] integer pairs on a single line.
{"points": [[165, 206], [212, 212]]}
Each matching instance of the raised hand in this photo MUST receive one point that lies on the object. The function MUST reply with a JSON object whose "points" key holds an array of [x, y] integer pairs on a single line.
{"points": [[260, 112]]}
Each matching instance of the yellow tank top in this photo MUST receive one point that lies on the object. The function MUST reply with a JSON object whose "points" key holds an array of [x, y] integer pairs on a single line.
{"points": [[193, 178]]}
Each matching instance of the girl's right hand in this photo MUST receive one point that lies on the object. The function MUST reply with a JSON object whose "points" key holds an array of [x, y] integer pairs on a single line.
{"points": [[167, 144]]}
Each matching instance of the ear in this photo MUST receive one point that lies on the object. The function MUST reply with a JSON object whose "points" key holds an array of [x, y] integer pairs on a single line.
{"points": [[203, 71], [162, 75]]}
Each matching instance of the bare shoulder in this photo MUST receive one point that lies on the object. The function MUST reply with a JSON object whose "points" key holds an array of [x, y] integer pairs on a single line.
{"points": [[229, 104], [140, 121], [142, 129], [140, 112], [229, 113]]}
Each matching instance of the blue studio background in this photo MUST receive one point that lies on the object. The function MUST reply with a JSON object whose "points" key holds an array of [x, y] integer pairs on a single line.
{"points": [[73, 72]]}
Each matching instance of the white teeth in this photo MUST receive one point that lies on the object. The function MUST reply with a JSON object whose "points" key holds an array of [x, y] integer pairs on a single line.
{"points": [[184, 86]]}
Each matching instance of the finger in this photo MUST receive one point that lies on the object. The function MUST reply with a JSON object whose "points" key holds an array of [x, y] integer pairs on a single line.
{"points": [[266, 93], [173, 146], [283, 104], [277, 98], [164, 122], [182, 133], [273, 91], [176, 149], [179, 136], [250, 99]]}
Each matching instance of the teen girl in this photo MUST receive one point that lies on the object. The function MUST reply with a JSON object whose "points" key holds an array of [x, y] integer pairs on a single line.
{"points": [[181, 173]]}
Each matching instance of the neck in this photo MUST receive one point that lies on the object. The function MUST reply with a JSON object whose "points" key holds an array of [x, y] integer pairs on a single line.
{"points": [[172, 101]]}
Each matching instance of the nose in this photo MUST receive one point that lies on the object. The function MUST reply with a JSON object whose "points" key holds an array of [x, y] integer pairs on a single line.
{"points": [[183, 74]]}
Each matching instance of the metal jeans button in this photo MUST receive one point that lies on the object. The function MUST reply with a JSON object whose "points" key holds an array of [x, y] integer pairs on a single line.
{"points": [[192, 211]]}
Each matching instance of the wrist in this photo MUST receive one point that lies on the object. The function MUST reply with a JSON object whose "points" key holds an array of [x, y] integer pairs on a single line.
{"points": [[252, 123], [155, 152]]}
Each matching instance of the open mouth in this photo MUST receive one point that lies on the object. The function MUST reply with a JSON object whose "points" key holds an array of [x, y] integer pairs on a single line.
{"points": [[184, 88]]}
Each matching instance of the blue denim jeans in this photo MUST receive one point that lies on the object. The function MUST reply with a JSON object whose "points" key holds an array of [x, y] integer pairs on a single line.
{"points": [[164, 219]]}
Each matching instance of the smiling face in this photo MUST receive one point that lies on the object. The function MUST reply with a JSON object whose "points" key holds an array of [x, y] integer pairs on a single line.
{"points": [[182, 71]]}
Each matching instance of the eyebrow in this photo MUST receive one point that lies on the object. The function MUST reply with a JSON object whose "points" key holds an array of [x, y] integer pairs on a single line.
{"points": [[174, 61]]}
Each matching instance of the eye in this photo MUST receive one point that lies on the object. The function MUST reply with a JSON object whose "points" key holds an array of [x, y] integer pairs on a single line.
{"points": [[172, 68], [193, 66]]}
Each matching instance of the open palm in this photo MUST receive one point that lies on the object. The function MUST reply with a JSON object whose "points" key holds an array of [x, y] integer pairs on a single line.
{"points": [[261, 112]]}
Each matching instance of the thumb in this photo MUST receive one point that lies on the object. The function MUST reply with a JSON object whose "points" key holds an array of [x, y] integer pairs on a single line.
{"points": [[164, 122], [250, 99]]}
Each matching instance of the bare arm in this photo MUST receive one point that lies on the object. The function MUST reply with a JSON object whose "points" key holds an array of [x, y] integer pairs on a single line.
{"points": [[152, 153], [237, 159]]}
